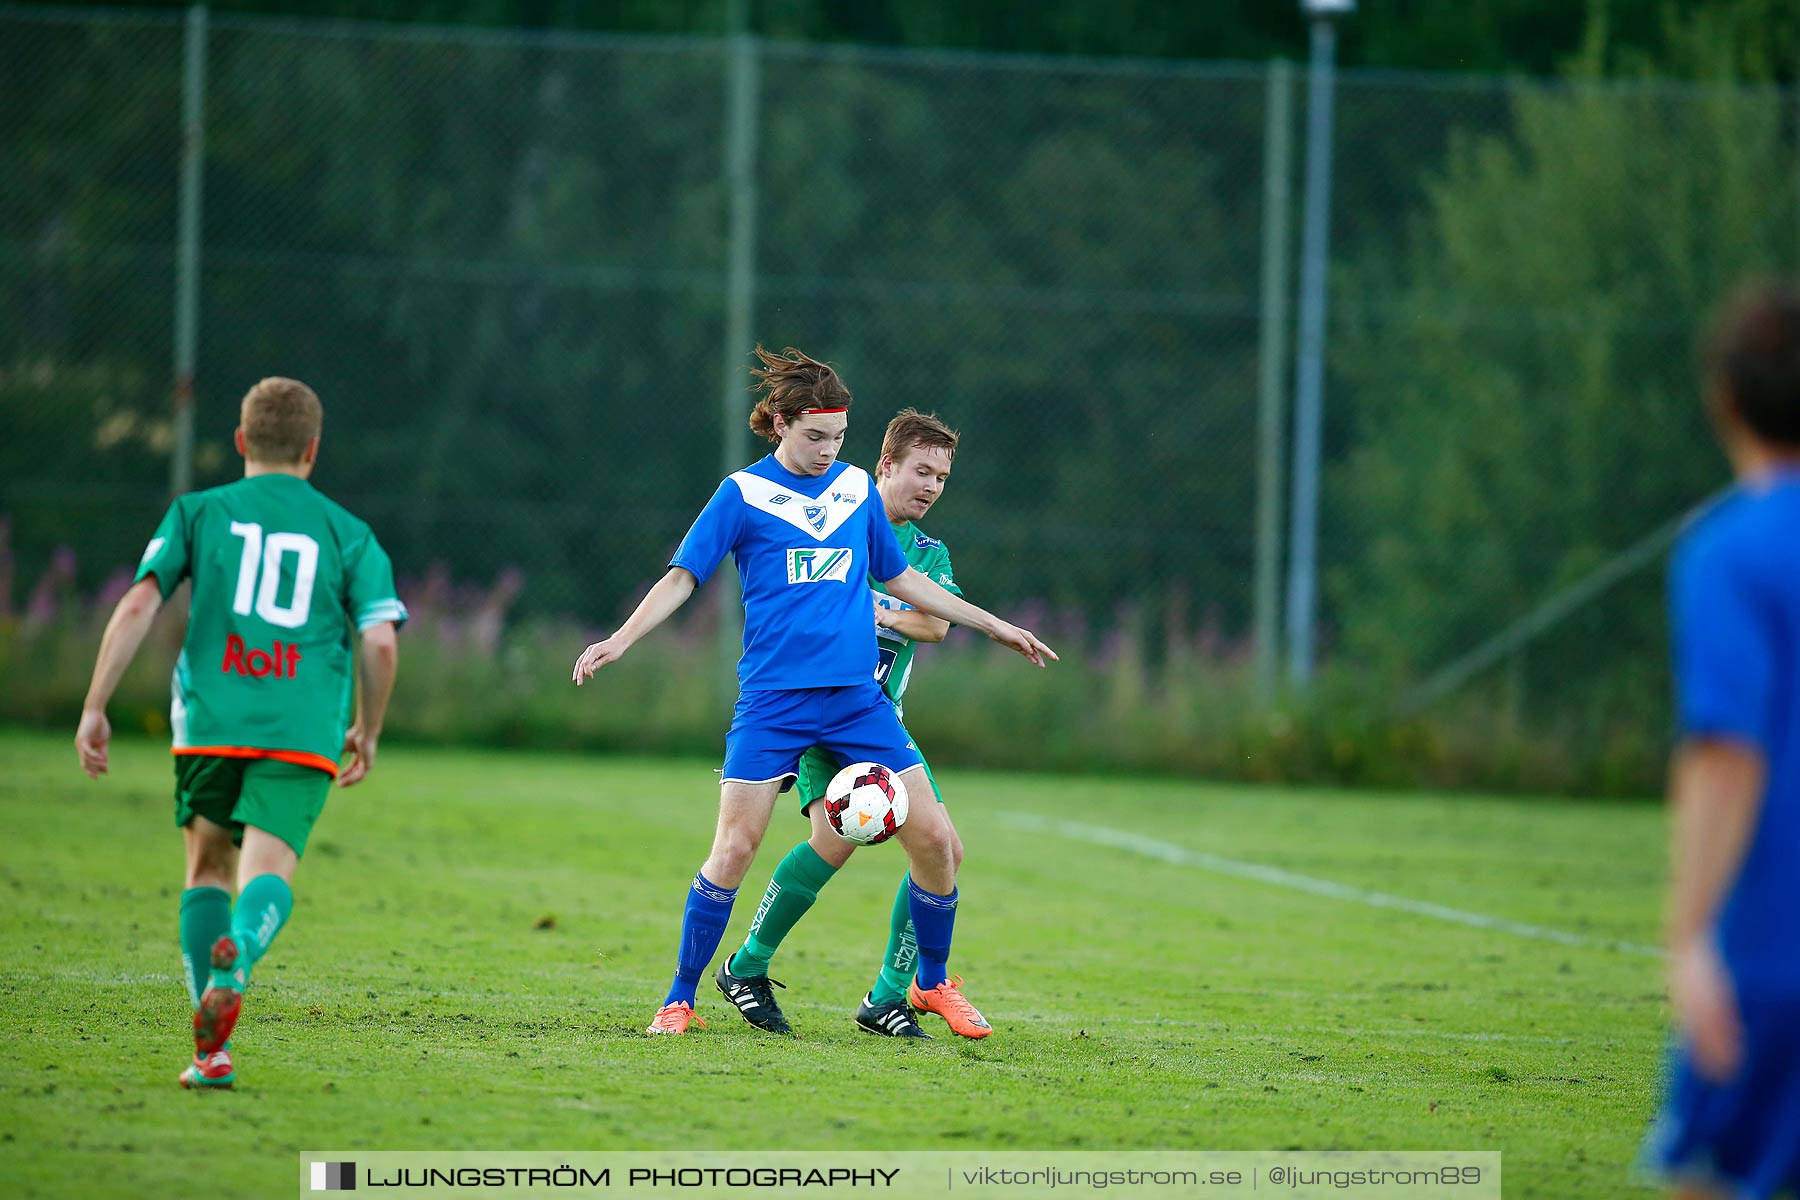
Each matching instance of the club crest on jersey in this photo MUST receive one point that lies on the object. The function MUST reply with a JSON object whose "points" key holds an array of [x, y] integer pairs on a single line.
{"points": [[820, 564], [815, 514]]}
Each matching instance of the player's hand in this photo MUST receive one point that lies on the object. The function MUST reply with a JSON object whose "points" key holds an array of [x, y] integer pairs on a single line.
{"points": [[1024, 641], [1706, 1009], [360, 746], [91, 738], [597, 656]]}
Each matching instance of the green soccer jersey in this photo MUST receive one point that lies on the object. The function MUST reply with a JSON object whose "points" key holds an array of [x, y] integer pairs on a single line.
{"points": [[929, 558], [282, 576]]}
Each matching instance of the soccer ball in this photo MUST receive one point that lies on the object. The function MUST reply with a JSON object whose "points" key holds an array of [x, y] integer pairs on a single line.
{"points": [[866, 803]]}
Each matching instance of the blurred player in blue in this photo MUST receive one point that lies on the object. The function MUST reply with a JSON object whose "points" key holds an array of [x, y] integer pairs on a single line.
{"points": [[1730, 1125], [807, 532]]}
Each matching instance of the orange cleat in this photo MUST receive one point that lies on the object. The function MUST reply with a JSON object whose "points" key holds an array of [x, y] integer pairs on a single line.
{"points": [[674, 1018], [948, 1002]]}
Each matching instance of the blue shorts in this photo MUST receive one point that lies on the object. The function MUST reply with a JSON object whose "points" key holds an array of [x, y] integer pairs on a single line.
{"points": [[771, 730], [1742, 1135]]}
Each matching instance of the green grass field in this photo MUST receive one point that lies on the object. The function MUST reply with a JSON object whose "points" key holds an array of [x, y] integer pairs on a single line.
{"points": [[416, 1003]]}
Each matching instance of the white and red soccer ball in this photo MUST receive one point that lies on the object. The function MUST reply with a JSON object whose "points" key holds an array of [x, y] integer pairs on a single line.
{"points": [[866, 803]]}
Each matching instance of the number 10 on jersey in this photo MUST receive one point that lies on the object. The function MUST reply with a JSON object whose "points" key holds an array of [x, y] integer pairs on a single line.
{"points": [[262, 559]]}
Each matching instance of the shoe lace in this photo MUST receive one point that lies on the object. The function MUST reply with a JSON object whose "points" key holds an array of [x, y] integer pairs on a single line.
{"points": [[666, 1019], [759, 987], [950, 995]]}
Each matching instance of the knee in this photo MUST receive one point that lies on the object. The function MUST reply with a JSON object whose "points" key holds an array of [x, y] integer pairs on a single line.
{"points": [[834, 850], [733, 850], [943, 846], [210, 864]]}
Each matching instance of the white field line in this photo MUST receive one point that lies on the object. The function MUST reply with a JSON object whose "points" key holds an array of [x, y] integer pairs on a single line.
{"points": [[1148, 847]]}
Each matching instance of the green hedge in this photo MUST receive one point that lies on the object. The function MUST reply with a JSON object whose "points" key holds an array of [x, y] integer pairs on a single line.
{"points": [[1107, 707]]}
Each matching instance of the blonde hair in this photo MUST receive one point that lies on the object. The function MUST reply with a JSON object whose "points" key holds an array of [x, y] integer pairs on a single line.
{"points": [[911, 428], [280, 417], [791, 384]]}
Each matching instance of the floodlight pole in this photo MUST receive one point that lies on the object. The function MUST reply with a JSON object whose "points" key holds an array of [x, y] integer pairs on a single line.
{"points": [[1272, 355], [742, 103], [187, 249], [1309, 368]]}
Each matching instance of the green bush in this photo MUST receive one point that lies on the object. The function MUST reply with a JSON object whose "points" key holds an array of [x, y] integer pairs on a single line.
{"points": [[1110, 705]]}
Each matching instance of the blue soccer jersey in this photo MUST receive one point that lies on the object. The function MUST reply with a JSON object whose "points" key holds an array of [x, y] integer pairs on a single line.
{"points": [[805, 546], [1735, 595]]}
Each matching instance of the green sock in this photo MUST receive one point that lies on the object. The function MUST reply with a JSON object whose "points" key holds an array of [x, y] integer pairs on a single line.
{"points": [[262, 909], [902, 952], [790, 893], [205, 916]]}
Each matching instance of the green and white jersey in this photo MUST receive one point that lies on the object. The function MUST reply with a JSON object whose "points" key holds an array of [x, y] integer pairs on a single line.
{"points": [[282, 577], [929, 558]]}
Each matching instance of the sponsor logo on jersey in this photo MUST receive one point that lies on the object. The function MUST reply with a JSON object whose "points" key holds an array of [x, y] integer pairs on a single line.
{"points": [[944, 578], [815, 513], [845, 497], [151, 550], [822, 564], [281, 660], [926, 543]]}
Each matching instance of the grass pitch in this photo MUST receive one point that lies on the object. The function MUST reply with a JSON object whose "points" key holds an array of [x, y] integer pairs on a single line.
{"points": [[479, 939]]}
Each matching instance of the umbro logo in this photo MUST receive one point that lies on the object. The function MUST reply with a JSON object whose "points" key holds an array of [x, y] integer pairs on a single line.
{"points": [[783, 498]]}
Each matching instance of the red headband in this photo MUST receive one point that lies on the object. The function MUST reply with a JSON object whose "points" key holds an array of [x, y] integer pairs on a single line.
{"points": [[809, 412]]}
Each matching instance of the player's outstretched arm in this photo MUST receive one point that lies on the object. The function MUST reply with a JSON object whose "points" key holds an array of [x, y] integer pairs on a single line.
{"points": [[125, 632], [377, 662], [910, 623], [669, 594], [1715, 790], [920, 592]]}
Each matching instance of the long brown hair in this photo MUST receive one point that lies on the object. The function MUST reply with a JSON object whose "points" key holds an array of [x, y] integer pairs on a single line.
{"points": [[792, 384]]}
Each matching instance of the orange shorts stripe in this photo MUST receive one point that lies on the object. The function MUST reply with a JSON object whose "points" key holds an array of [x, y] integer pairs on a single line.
{"points": [[299, 758]]}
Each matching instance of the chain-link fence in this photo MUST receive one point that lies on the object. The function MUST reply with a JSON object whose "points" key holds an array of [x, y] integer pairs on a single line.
{"points": [[504, 262]]}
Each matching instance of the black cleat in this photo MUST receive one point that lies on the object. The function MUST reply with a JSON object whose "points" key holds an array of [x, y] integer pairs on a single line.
{"points": [[889, 1020], [753, 998]]}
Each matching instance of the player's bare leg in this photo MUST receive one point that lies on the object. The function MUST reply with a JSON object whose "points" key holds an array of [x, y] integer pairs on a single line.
{"points": [[929, 839], [744, 812], [936, 853], [825, 841]]}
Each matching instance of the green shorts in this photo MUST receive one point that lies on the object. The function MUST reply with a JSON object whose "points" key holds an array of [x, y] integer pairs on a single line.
{"points": [[277, 797], [817, 768]]}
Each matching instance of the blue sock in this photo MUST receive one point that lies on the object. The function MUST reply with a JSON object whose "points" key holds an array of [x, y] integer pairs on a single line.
{"points": [[702, 926], [934, 917]]}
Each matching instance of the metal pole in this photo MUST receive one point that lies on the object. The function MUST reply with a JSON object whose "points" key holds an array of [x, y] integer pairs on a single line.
{"points": [[1277, 169], [1309, 368], [187, 253], [742, 102]]}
